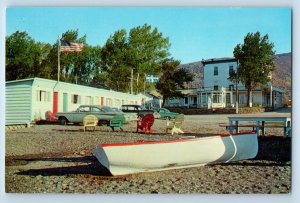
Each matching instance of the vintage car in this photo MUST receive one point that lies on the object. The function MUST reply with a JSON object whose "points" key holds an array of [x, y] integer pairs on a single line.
{"points": [[128, 116], [139, 110], [103, 113], [165, 113]]}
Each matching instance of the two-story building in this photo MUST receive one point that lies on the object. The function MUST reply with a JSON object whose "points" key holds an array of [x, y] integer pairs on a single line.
{"points": [[219, 92]]}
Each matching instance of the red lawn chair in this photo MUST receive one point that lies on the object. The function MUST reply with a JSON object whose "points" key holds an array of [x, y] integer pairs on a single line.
{"points": [[145, 123], [49, 116]]}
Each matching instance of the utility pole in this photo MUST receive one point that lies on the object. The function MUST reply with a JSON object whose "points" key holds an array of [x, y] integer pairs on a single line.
{"points": [[236, 90], [58, 58], [145, 84], [137, 83], [131, 82]]}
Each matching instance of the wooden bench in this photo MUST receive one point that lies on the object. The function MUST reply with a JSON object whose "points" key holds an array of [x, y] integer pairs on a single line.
{"points": [[90, 121], [117, 122], [176, 124], [260, 123], [254, 127], [233, 127]]}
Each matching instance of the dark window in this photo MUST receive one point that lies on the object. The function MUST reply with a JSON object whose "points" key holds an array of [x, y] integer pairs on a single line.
{"points": [[186, 100], [231, 70], [75, 99], [195, 100], [216, 87], [231, 87], [216, 70]]}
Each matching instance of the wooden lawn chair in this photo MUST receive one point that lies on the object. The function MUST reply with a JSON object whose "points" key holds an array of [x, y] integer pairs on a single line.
{"points": [[145, 123], [90, 121], [175, 125], [117, 121]]}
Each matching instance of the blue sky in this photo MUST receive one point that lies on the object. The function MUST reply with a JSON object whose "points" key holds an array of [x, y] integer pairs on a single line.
{"points": [[194, 33]]}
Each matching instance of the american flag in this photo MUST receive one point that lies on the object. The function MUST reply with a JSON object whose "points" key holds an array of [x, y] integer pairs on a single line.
{"points": [[66, 46]]}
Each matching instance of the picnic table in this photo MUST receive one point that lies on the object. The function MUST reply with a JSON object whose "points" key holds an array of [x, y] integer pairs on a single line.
{"points": [[260, 123]]}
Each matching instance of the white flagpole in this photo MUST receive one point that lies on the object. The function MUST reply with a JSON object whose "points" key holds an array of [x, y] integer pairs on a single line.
{"points": [[58, 59]]}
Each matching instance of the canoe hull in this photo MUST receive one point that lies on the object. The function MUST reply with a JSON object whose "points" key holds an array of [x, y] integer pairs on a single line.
{"points": [[127, 158]]}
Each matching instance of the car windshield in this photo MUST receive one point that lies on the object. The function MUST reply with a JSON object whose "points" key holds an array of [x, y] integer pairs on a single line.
{"points": [[117, 110], [107, 109], [142, 108]]}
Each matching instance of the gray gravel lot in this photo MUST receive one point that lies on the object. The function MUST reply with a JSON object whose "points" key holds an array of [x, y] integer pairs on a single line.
{"points": [[58, 159]]}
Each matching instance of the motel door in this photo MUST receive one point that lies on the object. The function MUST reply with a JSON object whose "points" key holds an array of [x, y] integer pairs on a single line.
{"points": [[65, 102], [55, 102]]}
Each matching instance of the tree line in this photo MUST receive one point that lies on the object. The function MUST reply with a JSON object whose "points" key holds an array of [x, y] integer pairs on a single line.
{"points": [[143, 50]]}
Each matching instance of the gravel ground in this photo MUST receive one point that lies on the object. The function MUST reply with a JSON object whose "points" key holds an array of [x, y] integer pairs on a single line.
{"points": [[58, 159]]}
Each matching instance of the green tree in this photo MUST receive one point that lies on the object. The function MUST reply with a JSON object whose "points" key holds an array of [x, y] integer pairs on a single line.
{"points": [[114, 61], [256, 62], [172, 79], [142, 50], [24, 57]]}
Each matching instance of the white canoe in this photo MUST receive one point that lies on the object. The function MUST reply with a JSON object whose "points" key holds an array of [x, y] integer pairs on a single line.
{"points": [[127, 158]]}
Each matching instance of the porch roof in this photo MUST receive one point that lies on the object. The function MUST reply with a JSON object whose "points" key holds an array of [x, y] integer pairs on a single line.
{"points": [[188, 91]]}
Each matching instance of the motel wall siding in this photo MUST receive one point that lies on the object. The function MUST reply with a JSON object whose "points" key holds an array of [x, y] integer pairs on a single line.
{"points": [[34, 97], [18, 103]]}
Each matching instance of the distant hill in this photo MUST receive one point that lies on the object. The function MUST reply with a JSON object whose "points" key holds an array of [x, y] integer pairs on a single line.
{"points": [[197, 69], [281, 76]]}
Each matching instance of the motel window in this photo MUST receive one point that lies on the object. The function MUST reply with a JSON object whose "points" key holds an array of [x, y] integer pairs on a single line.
{"points": [[216, 70], [75, 99], [88, 100], [117, 103], [97, 100], [108, 102], [43, 95]]}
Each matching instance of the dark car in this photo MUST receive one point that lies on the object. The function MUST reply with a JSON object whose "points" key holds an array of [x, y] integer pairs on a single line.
{"points": [[166, 113], [138, 109]]}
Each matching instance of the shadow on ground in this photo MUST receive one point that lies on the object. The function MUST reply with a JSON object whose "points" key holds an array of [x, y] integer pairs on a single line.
{"points": [[93, 168]]}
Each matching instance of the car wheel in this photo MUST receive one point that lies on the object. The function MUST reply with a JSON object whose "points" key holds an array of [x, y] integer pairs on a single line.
{"points": [[168, 118], [103, 122], [63, 121]]}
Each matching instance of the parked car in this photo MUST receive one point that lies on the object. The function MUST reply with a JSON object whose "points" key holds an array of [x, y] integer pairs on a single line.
{"points": [[103, 113], [138, 109], [165, 113], [128, 116]]}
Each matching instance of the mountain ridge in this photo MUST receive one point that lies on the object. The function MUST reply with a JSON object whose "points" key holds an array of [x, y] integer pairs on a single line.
{"points": [[282, 76]]}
